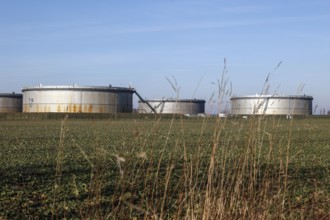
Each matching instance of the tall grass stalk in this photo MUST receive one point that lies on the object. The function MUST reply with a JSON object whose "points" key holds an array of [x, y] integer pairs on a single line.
{"points": [[58, 168]]}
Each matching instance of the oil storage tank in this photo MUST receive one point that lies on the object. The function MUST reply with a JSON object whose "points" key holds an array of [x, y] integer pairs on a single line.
{"points": [[272, 105], [10, 102], [172, 106], [78, 99]]}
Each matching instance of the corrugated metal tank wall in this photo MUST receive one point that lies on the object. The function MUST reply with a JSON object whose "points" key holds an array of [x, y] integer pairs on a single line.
{"points": [[272, 105], [183, 106], [10, 102], [78, 99]]}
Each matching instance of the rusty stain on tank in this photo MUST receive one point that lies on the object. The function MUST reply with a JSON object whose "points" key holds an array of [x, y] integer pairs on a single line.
{"points": [[58, 108], [74, 108], [90, 108]]}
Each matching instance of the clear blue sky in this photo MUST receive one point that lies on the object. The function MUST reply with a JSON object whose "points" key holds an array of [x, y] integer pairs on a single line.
{"points": [[144, 41]]}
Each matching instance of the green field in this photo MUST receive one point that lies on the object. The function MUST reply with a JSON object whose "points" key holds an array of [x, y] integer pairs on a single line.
{"points": [[163, 168]]}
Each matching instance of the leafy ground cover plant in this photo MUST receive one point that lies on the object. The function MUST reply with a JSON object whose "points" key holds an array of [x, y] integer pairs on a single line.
{"points": [[157, 168]]}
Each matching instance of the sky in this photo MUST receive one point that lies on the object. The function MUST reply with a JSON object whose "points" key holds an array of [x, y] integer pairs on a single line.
{"points": [[154, 44]]}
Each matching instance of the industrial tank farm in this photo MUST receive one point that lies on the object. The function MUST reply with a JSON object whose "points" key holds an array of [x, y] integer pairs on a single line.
{"points": [[10, 102], [78, 99], [171, 106], [272, 105]]}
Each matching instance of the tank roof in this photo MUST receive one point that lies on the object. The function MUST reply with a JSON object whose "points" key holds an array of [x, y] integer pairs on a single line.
{"points": [[79, 88], [175, 100], [273, 96], [11, 95]]}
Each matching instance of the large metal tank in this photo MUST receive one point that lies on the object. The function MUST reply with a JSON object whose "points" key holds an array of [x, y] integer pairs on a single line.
{"points": [[10, 102], [272, 105], [76, 99], [171, 106]]}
